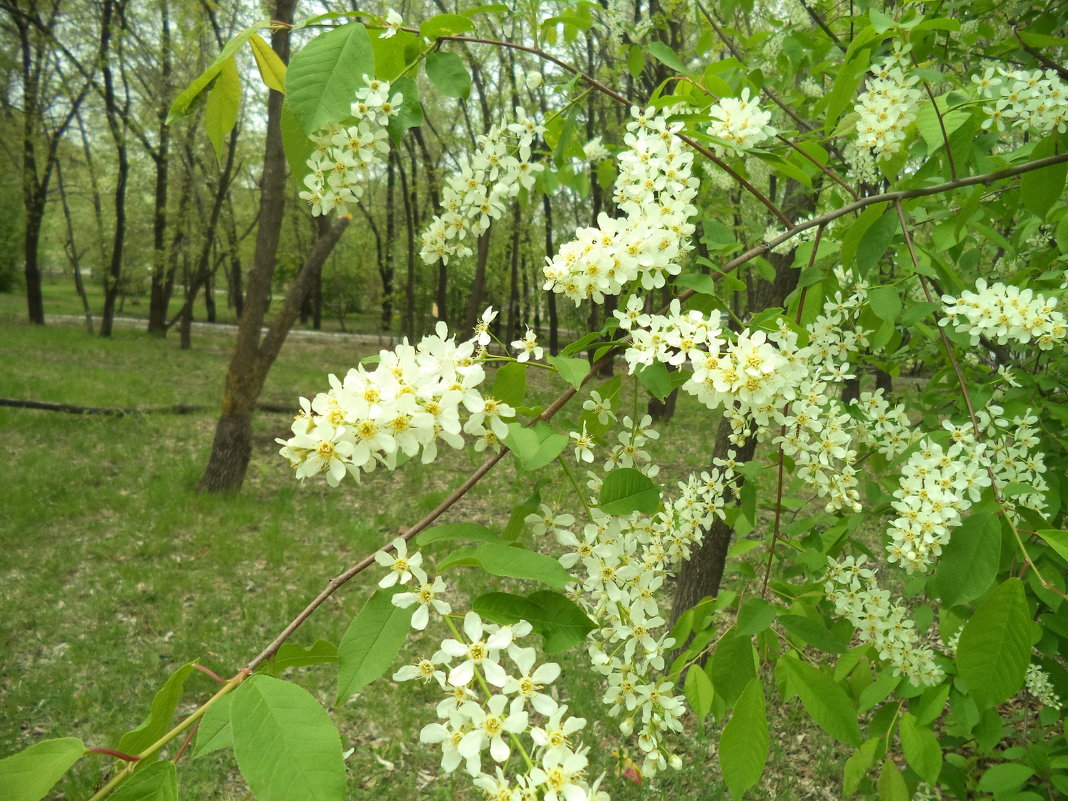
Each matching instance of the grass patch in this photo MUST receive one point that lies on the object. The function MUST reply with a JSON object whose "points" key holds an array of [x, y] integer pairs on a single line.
{"points": [[115, 571]]}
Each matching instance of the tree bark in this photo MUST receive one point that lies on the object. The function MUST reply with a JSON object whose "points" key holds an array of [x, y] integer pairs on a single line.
{"points": [[158, 297], [232, 446]]}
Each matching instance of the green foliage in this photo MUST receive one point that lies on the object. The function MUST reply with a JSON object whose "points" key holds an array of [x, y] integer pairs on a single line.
{"points": [[30, 774], [324, 75], [743, 746], [371, 642], [995, 645]]}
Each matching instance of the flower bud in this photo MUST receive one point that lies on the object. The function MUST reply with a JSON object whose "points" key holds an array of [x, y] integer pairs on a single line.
{"points": [[675, 761], [533, 79], [626, 727]]}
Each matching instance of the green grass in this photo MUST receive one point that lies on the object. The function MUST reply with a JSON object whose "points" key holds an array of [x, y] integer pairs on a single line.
{"points": [[115, 571]]}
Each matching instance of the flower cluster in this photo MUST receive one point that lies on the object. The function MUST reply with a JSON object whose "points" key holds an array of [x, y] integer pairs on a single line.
{"points": [[594, 151], [1005, 314], [740, 123], [475, 195], [937, 486], [655, 192], [1038, 684], [625, 562], [886, 428], [1026, 99], [345, 153], [412, 399], [878, 620], [888, 105]]}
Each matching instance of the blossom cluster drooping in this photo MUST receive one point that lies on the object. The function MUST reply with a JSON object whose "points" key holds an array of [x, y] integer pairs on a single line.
{"points": [[475, 194], [654, 190], [1026, 99], [887, 429], [1005, 314], [486, 706], [740, 122], [878, 620], [888, 105], [1038, 684], [624, 561], [344, 154], [415, 397]]}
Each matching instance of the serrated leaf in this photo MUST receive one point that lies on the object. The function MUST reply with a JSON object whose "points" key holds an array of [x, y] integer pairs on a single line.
{"points": [[220, 114], [995, 646], [699, 691], [885, 303], [626, 490], [510, 384], [1005, 777], [449, 74], [31, 773], [1056, 539], [561, 623], [324, 75], [185, 99], [858, 765], [371, 642], [504, 560], [754, 616], [157, 782], [214, 733], [1040, 189], [743, 746], [892, 786], [445, 25], [733, 666], [285, 744], [698, 282], [410, 114], [573, 371], [160, 715], [824, 700], [291, 655], [969, 562], [298, 147], [922, 751], [655, 378], [272, 68], [456, 531], [534, 446], [814, 633], [666, 56]]}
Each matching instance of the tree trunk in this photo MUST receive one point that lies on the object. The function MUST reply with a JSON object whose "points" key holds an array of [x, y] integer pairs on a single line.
{"points": [[232, 446], [474, 303], [157, 298], [550, 296]]}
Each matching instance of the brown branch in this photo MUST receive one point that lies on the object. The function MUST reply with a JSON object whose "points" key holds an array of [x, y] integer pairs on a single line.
{"points": [[1043, 60]]}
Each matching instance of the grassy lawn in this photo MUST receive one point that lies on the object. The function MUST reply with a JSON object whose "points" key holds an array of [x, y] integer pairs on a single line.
{"points": [[115, 571]]}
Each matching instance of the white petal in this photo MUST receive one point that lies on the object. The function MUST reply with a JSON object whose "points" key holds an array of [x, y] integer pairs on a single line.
{"points": [[495, 674], [473, 626], [499, 749], [461, 675], [420, 618], [433, 733]]}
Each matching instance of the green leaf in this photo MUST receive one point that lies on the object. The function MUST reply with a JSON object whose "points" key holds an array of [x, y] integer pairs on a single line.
{"points": [[160, 714], [285, 743], [510, 385], [733, 665], [814, 633], [220, 114], [995, 646], [297, 145], [560, 621], [858, 765], [323, 76], [665, 55], [922, 751], [635, 61], [456, 531], [885, 303], [743, 746], [845, 87], [504, 560], [157, 782], [969, 562], [185, 99], [445, 25], [1040, 189], [931, 131], [755, 615], [272, 68], [699, 691], [824, 700], [655, 378], [573, 371], [31, 773], [410, 114], [875, 241], [292, 654], [626, 490], [1005, 777], [534, 446], [371, 642], [698, 282], [1057, 540], [214, 733], [449, 74], [892, 785]]}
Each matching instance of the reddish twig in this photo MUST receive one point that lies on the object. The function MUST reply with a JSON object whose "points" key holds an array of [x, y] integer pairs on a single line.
{"points": [[114, 753], [210, 672]]}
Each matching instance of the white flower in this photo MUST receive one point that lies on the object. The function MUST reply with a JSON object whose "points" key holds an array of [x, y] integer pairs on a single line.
{"points": [[482, 335], [533, 79], [401, 566], [393, 24], [480, 650], [583, 445], [426, 596], [528, 347], [488, 727], [527, 687]]}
